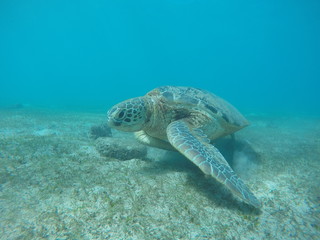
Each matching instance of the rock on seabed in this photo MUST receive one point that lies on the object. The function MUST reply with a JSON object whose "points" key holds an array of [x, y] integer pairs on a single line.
{"points": [[122, 149]]}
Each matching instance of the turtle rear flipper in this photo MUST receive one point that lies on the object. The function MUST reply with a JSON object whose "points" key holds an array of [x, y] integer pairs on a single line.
{"points": [[208, 159]]}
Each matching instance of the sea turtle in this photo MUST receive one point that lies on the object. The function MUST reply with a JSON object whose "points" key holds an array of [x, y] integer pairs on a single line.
{"points": [[185, 119]]}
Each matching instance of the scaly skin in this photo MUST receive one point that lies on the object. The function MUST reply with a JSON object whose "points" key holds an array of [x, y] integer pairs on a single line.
{"points": [[208, 159]]}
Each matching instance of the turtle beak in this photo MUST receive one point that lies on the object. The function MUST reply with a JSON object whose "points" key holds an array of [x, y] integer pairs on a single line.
{"points": [[110, 121]]}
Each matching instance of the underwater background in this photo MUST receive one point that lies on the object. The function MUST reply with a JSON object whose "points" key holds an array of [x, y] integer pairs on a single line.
{"points": [[261, 56], [64, 174]]}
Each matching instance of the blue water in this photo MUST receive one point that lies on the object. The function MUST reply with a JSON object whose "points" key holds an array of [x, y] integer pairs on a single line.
{"points": [[262, 56], [57, 183]]}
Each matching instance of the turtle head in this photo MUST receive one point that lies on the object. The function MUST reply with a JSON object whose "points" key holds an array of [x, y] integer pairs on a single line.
{"points": [[128, 116]]}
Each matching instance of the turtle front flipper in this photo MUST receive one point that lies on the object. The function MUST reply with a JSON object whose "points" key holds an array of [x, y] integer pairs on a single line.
{"points": [[208, 159], [146, 139]]}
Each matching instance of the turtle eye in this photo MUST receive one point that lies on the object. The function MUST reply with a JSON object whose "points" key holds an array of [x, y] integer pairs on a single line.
{"points": [[121, 114]]}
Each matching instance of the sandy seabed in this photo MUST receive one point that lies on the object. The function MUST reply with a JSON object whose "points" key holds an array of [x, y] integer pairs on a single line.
{"points": [[54, 184]]}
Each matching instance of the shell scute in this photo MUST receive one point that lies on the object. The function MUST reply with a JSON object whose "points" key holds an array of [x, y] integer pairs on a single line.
{"points": [[190, 98]]}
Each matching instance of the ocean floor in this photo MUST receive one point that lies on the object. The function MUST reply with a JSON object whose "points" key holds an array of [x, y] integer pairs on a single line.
{"points": [[55, 183]]}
